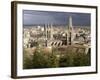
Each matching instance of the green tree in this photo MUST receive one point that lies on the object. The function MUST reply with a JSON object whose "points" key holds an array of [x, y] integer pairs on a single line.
{"points": [[81, 59], [27, 60], [66, 60], [52, 60], [39, 58], [44, 60]]}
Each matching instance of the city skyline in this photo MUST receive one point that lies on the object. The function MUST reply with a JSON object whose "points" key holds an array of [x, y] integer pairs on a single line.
{"points": [[31, 17]]}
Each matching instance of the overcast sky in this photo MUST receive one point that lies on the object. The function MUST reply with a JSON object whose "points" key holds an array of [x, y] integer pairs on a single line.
{"points": [[31, 17]]}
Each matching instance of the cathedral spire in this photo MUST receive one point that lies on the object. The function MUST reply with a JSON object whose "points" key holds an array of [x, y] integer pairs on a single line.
{"points": [[70, 23], [70, 31]]}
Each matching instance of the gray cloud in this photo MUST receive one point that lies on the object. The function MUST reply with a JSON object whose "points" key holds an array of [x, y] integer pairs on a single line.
{"points": [[31, 17]]}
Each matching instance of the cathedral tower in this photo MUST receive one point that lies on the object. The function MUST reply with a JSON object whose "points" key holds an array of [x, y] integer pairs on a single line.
{"points": [[70, 31]]}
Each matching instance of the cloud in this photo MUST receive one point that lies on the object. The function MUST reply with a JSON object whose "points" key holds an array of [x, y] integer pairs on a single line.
{"points": [[31, 17]]}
